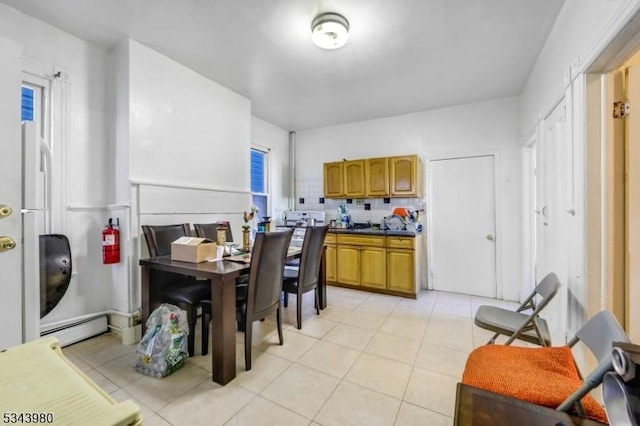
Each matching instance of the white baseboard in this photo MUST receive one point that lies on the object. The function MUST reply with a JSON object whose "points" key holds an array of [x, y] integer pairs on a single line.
{"points": [[78, 332]]}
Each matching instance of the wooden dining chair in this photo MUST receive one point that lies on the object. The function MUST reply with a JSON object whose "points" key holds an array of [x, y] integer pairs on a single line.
{"points": [[262, 295], [305, 278], [180, 290]]}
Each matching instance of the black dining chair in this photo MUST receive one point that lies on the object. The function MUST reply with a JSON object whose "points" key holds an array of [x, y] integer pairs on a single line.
{"points": [[305, 278], [185, 292], [262, 295], [210, 230]]}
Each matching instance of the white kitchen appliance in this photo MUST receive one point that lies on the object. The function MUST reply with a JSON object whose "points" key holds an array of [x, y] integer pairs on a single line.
{"points": [[300, 219]]}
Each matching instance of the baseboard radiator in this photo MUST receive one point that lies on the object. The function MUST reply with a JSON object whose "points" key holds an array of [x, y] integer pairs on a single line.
{"points": [[74, 330]]}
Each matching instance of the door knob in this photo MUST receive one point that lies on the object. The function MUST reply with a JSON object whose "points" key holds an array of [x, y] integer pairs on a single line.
{"points": [[489, 237], [6, 243], [5, 211]]}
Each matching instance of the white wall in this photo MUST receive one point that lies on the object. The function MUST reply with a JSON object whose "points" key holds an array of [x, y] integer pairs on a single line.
{"points": [[581, 31], [188, 146], [276, 141], [471, 129], [184, 128], [85, 177]]}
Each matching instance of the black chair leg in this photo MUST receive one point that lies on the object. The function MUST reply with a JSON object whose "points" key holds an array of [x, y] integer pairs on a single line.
{"points": [[247, 345], [286, 299], [279, 321], [205, 334], [299, 313], [191, 320], [316, 300]]}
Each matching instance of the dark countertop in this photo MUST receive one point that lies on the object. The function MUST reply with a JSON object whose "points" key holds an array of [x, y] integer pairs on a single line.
{"points": [[371, 231]]}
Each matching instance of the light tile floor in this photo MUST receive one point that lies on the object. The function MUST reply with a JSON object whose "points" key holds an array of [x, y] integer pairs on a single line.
{"points": [[368, 359]]}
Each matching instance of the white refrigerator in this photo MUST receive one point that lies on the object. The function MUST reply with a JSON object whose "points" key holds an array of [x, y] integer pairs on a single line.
{"points": [[36, 220]]}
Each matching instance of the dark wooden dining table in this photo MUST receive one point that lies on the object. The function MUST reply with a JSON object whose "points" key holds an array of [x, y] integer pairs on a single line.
{"points": [[223, 274]]}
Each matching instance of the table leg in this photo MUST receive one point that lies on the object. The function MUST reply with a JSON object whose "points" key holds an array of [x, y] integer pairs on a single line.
{"points": [[223, 329], [146, 299], [322, 280]]}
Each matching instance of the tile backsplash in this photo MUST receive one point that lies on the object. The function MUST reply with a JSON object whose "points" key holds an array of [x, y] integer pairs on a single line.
{"points": [[312, 191]]}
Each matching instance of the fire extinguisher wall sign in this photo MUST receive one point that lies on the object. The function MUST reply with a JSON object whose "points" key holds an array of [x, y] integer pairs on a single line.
{"points": [[111, 242]]}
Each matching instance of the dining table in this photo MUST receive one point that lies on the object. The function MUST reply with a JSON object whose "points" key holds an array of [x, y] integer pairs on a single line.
{"points": [[222, 273]]}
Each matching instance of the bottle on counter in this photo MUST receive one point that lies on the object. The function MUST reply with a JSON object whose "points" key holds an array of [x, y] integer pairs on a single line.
{"points": [[344, 216]]}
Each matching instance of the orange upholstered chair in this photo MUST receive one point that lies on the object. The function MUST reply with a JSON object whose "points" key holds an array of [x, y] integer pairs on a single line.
{"points": [[548, 376]]}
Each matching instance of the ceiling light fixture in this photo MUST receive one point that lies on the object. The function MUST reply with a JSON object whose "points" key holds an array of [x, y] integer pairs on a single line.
{"points": [[330, 30]]}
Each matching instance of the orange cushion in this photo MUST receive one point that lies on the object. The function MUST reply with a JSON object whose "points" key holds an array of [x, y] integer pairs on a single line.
{"points": [[543, 376]]}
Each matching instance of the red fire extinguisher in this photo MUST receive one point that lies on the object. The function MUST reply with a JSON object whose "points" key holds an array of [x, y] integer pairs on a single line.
{"points": [[111, 243]]}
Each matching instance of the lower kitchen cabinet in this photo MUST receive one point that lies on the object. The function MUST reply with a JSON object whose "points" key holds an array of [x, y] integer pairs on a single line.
{"points": [[360, 260], [373, 267], [401, 270], [330, 258], [378, 263], [348, 258]]}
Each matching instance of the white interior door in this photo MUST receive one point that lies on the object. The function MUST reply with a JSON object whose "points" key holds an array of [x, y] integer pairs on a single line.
{"points": [[554, 227], [462, 228], [10, 195]]}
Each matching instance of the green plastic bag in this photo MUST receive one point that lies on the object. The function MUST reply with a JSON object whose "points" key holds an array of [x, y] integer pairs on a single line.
{"points": [[163, 348]]}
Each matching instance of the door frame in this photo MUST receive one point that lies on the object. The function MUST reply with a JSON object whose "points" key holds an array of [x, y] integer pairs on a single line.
{"points": [[599, 137], [529, 211], [497, 199]]}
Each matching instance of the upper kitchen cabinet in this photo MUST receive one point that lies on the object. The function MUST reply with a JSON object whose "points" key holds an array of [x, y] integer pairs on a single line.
{"points": [[404, 176], [373, 177], [377, 177], [353, 178], [333, 180]]}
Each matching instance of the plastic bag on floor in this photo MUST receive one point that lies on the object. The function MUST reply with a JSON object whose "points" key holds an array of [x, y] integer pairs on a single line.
{"points": [[163, 348]]}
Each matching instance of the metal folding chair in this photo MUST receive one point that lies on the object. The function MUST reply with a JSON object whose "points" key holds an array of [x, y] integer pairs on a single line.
{"points": [[518, 324]]}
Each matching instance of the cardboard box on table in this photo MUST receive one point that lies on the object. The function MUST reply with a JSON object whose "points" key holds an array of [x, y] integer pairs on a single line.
{"points": [[193, 249]]}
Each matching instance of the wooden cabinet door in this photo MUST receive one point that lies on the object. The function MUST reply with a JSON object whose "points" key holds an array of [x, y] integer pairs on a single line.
{"points": [[353, 178], [330, 264], [373, 267], [333, 180], [348, 261], [377, 177], [401, 270], [404, 176]]}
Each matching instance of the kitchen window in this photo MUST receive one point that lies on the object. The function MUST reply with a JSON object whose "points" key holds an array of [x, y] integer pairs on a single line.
{"points": [[259, 181], [28, 101]]}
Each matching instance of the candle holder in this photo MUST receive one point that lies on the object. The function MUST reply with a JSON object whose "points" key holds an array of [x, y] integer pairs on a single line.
{"points": [[221, 235], [246, 244]]}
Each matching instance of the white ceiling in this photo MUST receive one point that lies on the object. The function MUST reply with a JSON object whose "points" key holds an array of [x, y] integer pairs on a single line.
{"points": [[403, 56]]}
